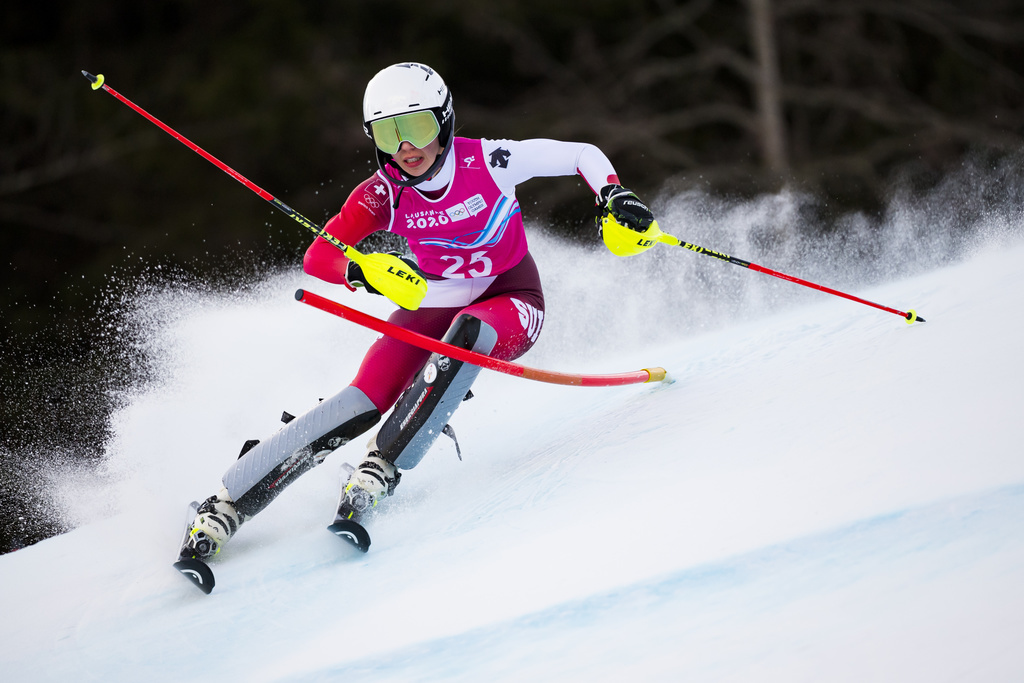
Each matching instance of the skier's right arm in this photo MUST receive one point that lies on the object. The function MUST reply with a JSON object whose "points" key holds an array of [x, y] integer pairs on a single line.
{"points": [[360, 216]]}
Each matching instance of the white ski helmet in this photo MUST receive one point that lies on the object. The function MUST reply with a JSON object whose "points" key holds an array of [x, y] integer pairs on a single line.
{"points": [[391, 96]]}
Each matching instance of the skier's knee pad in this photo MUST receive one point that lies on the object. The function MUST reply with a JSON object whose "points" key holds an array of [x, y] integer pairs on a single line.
{"points": [[264, 469], [424, 409]]}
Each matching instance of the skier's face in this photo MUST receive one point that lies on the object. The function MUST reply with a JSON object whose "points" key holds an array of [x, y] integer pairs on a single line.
{"points": [[415, 161]]}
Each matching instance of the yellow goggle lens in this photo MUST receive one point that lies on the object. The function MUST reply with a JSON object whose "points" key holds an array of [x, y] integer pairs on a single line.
{"points": [[418, 128]]}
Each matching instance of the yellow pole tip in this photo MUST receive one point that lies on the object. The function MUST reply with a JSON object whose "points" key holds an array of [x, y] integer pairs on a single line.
{"points": [[99, 82]]}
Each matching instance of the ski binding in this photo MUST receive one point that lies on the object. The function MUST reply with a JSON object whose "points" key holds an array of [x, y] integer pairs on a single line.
{"points": [[345, 526], [192, 568]]}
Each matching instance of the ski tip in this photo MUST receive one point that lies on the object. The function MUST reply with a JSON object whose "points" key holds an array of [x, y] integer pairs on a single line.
{"points": [[197, 572], [352, 532]]}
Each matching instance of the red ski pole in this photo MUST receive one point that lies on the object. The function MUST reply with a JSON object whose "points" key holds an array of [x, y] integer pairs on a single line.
{"points": [[624, 241], [386, 272], [910, 315]]}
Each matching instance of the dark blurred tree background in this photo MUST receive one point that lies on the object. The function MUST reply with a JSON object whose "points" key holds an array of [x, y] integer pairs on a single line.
{"points": [[835, 98]]}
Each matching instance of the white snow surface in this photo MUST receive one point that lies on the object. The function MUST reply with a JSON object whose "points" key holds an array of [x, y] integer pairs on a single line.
{"points": [[823, 493]]}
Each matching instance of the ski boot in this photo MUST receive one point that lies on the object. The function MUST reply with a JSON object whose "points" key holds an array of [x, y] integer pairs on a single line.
{"points": [[371, 482], [216, 521]]}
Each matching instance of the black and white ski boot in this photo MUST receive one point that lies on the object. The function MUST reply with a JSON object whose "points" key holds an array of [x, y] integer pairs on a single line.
{"points": [[371, 482], [368, 484], [216, 522]]}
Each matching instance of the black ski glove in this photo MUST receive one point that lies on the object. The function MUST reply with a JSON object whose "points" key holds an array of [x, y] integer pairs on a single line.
{"points": [[354, 273], [624, 206]]}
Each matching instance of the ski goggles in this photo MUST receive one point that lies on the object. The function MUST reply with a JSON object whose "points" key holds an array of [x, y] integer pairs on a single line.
{"points": [[418, 128]]}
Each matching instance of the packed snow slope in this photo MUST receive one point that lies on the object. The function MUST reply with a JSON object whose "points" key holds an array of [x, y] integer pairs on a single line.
{"points": [[823, 493]]}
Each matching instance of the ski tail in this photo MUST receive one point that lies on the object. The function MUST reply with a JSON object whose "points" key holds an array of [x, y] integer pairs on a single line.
{"points": [[197, 572], [351, 531]]}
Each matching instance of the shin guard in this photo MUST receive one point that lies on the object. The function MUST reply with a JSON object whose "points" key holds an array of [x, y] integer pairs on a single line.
{"points": [[424, 409], [267, 467]]}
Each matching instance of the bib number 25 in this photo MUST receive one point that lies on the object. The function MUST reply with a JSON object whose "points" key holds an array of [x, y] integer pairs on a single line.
{"points": [[478, 266]]}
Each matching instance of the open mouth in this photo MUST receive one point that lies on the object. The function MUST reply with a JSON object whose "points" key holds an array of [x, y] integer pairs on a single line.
{"points": [[413, 161]]}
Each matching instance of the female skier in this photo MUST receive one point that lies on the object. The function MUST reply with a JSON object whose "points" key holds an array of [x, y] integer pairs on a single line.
{"points": [[453, 200]]}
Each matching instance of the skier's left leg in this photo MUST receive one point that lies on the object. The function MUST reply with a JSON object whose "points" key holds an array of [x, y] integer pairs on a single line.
{"points": [[505, 327]]}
